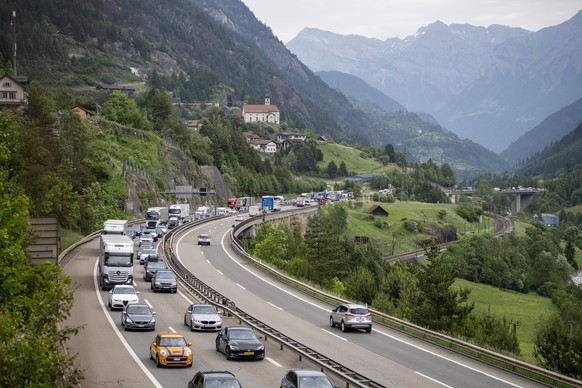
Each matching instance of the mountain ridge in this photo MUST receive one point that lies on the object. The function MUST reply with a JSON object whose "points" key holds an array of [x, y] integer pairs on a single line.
{"points": [[489, 85]]}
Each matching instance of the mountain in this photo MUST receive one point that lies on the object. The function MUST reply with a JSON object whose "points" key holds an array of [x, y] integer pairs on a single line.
{"points": [[418, 135], [562, 155], [197, 50], [487, 84], [549, 131], [355, 87]]}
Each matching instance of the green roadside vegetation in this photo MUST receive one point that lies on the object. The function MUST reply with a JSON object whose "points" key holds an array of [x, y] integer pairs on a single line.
{"points": [[525, 309]]}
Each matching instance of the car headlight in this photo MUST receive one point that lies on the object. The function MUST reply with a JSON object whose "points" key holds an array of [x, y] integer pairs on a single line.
{"points": [[163, 352], [234, 347], [128, 319], [153, 320], [188, 352], [262, 347]]}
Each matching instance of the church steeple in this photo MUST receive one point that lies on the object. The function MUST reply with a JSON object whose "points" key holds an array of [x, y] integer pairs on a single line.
{"points": [[267, 99]]}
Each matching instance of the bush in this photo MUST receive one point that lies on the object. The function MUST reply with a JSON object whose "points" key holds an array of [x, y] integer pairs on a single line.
{"points": [[412, 226]]}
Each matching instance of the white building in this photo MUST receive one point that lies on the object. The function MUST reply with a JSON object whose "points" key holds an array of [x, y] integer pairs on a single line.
{"points": [[265, 146], [13, 90], [266, 113]]}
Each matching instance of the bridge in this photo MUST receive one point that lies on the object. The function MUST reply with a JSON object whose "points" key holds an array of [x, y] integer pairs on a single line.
{"points": [[521, 197]]}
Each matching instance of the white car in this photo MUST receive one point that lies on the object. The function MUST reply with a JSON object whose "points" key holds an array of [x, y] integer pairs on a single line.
{"points": [[202, 317], [239, 218], [121, 295], [204, 239]]}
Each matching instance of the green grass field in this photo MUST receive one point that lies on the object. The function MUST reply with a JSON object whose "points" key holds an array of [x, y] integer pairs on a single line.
{"points": [[523, 308], [394, 234], [352, 157]]}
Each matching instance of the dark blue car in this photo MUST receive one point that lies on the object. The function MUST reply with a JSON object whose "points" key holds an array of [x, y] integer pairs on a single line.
{"points": [[137, 230]]}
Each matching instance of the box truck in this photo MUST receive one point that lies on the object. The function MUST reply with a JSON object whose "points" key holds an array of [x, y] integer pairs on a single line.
{"points": [[116, 254], [158, 213], [179, 210], [115, 227]]}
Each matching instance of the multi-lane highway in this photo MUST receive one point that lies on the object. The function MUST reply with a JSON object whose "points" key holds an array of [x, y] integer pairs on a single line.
{"points": [[115, 358]]}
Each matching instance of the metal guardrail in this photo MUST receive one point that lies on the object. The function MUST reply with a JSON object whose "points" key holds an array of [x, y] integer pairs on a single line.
{"points": [[208, 294], [521, 368]]}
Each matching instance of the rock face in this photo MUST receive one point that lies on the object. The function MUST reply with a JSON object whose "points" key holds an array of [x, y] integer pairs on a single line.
{"points": [[179, 170], [486, 84]]}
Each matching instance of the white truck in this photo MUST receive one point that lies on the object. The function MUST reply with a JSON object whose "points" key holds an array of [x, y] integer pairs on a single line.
{"points": [[115, 227], [179, 210], [116, 254], [202, 211], [300, 201], [159, 213], [254, 210]]}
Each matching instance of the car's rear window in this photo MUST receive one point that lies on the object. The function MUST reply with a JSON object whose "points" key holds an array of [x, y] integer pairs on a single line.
{"points": [[359, 311], [165, 274]]}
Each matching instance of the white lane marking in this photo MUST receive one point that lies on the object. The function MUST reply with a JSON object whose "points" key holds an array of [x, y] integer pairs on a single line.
{"points": [[240, 286], [145, 370], [148, 303], [335, 335], [171, 329], [387, 335], [450, 360], [208, 261], [185, 297], [431, 379], [219, 272], [275, 306], [273, 362], [265, 279]]}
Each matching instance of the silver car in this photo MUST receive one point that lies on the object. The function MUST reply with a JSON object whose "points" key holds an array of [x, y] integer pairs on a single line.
{"points": [[351, 316], [138, 317], [164, 280], [202, 317], [146, 253]]}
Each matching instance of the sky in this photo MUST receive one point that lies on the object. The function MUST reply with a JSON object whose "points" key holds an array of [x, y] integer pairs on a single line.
{"points": [[383, 19]]}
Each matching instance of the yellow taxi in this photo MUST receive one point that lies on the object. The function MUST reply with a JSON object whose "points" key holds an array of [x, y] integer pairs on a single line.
{"points": [[171, 349]]}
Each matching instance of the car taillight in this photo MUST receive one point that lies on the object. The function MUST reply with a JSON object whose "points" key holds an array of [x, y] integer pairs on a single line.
{"points": [[349, 315]]}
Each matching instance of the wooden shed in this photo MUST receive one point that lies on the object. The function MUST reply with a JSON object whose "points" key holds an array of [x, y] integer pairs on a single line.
{"points": [[378, 210]]}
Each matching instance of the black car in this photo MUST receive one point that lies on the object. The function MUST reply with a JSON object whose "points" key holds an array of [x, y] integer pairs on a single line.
{"points": [[306, 378], [214, 379], [239, 342], [138, 317], [151, 267]]}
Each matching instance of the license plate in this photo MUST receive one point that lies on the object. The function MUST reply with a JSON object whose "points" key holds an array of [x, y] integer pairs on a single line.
{"points": [[249, 353]]}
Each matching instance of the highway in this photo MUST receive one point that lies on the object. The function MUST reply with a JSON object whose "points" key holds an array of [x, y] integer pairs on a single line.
{"points": [[115, 358]]}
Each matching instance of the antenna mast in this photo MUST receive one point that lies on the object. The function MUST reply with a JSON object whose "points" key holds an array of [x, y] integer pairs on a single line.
{"points": [[14, 37]]}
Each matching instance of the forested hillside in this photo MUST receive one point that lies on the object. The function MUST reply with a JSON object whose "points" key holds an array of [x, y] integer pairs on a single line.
{"points": [[559, 156], [197, 51], [187, 53]]}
